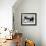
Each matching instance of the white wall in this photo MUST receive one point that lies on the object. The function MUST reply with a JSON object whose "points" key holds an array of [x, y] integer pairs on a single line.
{"points": [[31, 32], [6, 13], [43, 22]]}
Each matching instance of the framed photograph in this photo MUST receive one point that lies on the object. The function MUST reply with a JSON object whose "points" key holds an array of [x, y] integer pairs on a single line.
{"points": [[28, 18]]}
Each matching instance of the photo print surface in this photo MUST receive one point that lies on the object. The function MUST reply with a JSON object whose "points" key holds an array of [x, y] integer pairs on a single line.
{"points": [[28, 19]]}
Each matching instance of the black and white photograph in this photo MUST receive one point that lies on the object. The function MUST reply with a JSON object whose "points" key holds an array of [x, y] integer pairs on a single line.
{"points": [[28, 18]]}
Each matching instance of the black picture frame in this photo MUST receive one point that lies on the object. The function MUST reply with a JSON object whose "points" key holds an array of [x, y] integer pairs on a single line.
{"points": [[29, 19]]}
